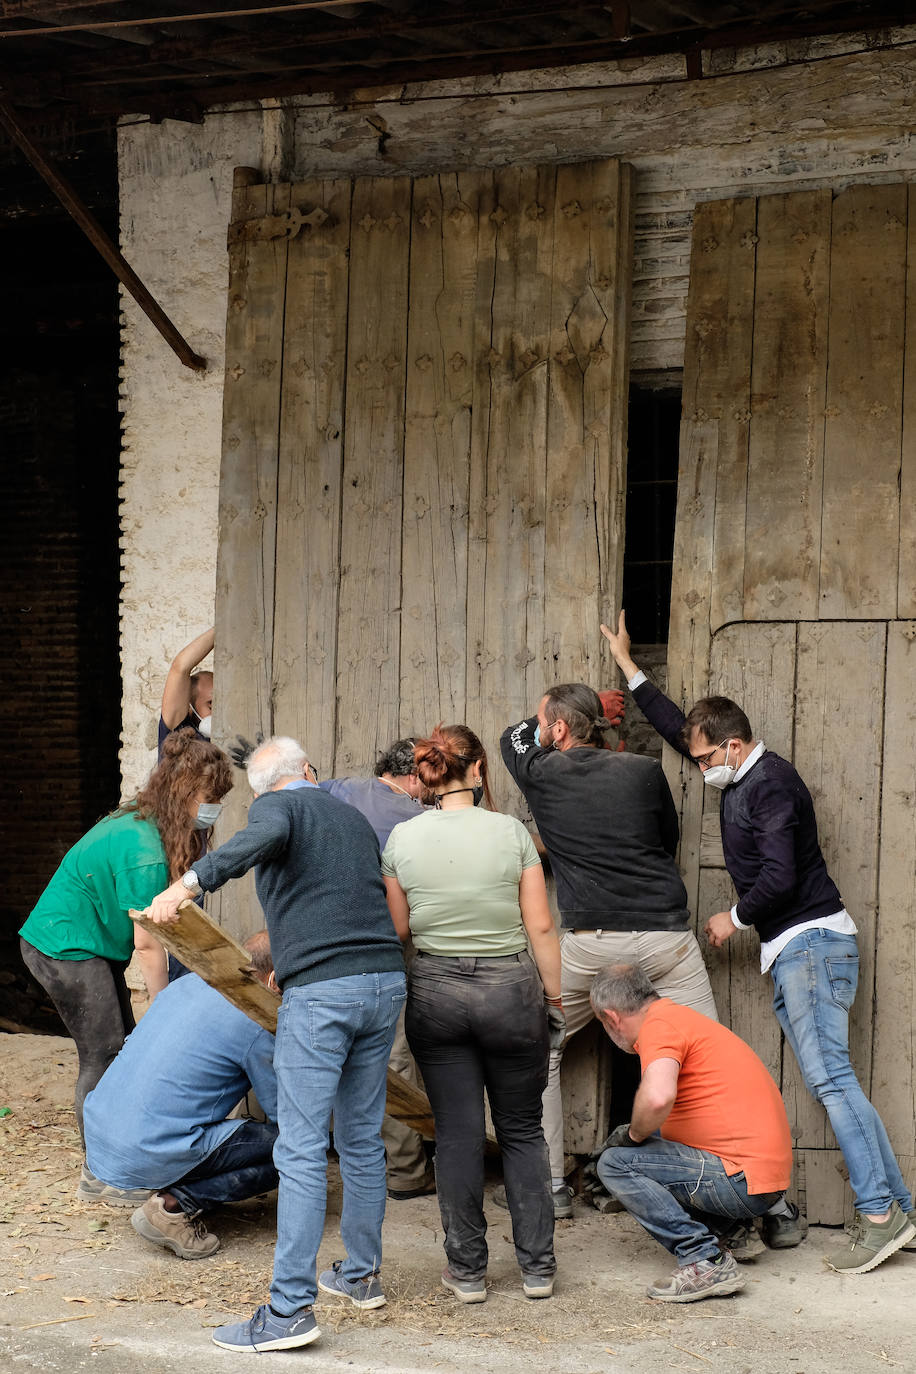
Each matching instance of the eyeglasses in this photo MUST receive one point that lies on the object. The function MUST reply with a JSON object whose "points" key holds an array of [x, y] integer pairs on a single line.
{"points": [[702, 760], [314, 770]]}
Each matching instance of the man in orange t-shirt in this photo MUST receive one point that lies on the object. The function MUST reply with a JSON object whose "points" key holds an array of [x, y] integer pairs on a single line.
{"points": [[708, 1138]]}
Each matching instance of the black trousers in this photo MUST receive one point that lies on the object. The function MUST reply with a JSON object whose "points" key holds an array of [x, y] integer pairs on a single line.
{"points": [[94, 1004], [476, 1024]]}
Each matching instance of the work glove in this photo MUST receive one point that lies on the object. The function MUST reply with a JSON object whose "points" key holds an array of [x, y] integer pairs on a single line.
{"points": [[242, 750], [612, 704], [556, 1027], [592, 1189]]}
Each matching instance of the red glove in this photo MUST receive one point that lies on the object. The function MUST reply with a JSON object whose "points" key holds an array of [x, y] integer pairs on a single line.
{"points": [[612, 705]]}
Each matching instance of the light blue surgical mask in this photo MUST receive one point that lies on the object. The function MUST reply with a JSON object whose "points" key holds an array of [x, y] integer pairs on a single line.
{"points": [[537, 738], [207, 815]]}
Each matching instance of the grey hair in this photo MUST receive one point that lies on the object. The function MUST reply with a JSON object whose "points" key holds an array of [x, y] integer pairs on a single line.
{"points": [[398, 760], [622, 988], [580, 707], [277, 758]]}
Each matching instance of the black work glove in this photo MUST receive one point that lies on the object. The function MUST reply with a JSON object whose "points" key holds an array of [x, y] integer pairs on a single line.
{"points": [[242, 750], [620, 1138], [556, 1027]]}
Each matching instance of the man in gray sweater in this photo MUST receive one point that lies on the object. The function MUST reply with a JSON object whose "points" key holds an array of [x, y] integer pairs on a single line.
{"points": [[339, 965]]}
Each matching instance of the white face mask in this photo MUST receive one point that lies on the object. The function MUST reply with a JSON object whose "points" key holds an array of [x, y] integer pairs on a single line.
{"points": [[207, 813], [722, 774], [204, 724]]}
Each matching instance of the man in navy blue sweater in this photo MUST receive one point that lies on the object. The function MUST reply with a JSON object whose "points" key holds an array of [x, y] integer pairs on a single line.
{"points": [[338, 963], [807, 943]]}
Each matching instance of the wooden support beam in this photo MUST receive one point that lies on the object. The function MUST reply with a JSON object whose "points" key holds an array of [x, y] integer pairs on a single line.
{"points": [[99, 239]]}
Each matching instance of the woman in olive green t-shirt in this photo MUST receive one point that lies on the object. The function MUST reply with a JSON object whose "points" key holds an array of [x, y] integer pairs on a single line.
{"points": [[79, 938], [467, 885]]}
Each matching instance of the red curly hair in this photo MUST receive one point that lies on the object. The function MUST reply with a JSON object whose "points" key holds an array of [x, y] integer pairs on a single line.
{"points": [[448, 754]]}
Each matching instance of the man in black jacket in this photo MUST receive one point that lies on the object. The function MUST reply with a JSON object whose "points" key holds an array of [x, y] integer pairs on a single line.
{"points": [[807, 943], [339, 965], [608, 823]]}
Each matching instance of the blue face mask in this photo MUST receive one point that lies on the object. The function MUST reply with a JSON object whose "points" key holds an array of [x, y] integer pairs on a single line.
{"points": [[207, 815], [537, 738]]}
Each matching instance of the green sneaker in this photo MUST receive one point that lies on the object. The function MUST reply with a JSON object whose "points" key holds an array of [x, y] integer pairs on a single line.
{"points": [[873, 1242], [911, 1217]]}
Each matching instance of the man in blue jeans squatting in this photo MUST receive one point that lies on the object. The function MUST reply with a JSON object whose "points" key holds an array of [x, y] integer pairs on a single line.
{"points": [[807, 942], [708, 1143], [340, 968]]}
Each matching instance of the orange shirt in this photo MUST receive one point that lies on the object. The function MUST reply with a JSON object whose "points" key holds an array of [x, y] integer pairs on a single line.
{"points": [[726, 1103]]}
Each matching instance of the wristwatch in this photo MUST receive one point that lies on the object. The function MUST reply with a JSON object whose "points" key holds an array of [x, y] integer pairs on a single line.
{"points": [[189, 881]]}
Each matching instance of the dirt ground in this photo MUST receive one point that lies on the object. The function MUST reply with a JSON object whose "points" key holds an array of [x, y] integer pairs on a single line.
{"points": [[80, 1290]]}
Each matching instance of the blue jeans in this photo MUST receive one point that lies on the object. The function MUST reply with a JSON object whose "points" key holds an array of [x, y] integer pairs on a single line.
{"points": [[814, 982], [241, 1167], [663, 1184], [333, 1043]]}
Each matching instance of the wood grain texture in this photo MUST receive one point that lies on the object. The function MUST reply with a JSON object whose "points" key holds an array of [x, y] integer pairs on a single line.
{"points": [[906, 585], [437, 443], [788, 389], [368, 654], [585, 1075], [245, 592], [310, 471], [893, 1084], [862, 445]]}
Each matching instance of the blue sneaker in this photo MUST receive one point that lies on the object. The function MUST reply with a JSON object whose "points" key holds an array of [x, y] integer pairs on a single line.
{"points": [[364, 1293], [266, 1331]]}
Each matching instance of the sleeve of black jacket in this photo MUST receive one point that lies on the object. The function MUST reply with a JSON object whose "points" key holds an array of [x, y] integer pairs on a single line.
{"points": [[662, 714]]}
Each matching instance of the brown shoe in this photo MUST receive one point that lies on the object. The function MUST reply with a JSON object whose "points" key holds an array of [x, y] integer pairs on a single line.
{"points": [[175, 1230]]}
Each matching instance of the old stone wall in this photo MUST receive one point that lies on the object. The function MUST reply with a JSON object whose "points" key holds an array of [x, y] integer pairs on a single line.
{"points": [[787, 116]]}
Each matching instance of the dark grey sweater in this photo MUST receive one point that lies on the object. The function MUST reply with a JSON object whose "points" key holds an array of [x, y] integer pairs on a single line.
{"points": [[610, 827], [318, 878]]}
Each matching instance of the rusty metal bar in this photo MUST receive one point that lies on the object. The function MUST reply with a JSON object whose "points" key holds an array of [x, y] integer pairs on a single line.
{"points": [[100, 240]]}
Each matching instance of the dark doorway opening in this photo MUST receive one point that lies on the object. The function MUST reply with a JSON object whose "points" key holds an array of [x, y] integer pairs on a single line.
{"points": [[59, 554]]}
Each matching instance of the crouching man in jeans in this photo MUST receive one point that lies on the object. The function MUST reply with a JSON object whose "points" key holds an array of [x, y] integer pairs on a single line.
{"points": [[339, 965], [708, 1143]]}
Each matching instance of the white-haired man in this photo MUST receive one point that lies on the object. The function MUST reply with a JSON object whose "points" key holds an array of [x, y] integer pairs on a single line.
{"points": [[340, 968]]}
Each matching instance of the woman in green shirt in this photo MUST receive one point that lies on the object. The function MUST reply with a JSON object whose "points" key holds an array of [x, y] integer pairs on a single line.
{"points": [[467, 885], [78, 940]]}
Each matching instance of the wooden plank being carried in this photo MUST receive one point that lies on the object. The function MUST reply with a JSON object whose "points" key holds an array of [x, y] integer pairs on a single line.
{"points": [[207, 950]]}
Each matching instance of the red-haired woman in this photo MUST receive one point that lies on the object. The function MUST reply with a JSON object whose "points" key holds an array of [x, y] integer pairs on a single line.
{"points": [[78, 940], [468, 886]]}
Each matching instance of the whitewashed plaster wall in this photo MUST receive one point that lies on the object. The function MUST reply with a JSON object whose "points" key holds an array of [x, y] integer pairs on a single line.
{"points": [[787, 116]]}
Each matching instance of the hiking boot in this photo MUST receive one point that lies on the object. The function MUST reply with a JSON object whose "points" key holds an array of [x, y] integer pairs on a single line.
{"points": [[267, 1331], [705, 1278], [92, 1189], [465, 1290], [742, 1242], [175, 1230], [364, 1293], [562, 1201], [538, 1285], [784, 1232], [873, 1242]]}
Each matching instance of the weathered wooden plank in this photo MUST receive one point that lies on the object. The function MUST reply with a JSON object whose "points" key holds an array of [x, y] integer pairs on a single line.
{"points": [[822, 1187], [893, 1084], [207, 950], [788, 389], [586, 1081], [906, 585], [368, 671], [310, 471], [588, 378], [440, 351], [508, 447], [243, 659], [754, 664], [840, 666], [862, 447]]}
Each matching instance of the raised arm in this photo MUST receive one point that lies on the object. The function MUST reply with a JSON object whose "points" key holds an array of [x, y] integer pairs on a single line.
{"points": [[176, 695], [659, 710]]}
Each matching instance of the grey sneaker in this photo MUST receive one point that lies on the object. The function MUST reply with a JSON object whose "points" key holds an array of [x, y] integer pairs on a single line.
{"points": [[92, 1189], [562, 1201], [266, 1331], [784, 1232], [911, 1218], [873, 1242], [538, 1285], [742, 1242], [704, 1279], [175, 1231], [465, 1290], [365, 1293]]}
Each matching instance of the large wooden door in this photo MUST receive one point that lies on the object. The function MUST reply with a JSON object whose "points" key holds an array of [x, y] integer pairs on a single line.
{"points": [[794, 592], [421, 499]]}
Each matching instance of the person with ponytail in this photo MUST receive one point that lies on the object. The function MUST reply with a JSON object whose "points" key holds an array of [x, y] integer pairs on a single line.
{"points": [[466, 883], [78, 940]]}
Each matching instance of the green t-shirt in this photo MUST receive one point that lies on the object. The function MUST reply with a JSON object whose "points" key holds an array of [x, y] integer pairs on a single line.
{"points": [[120, 863], [460, 871]]}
